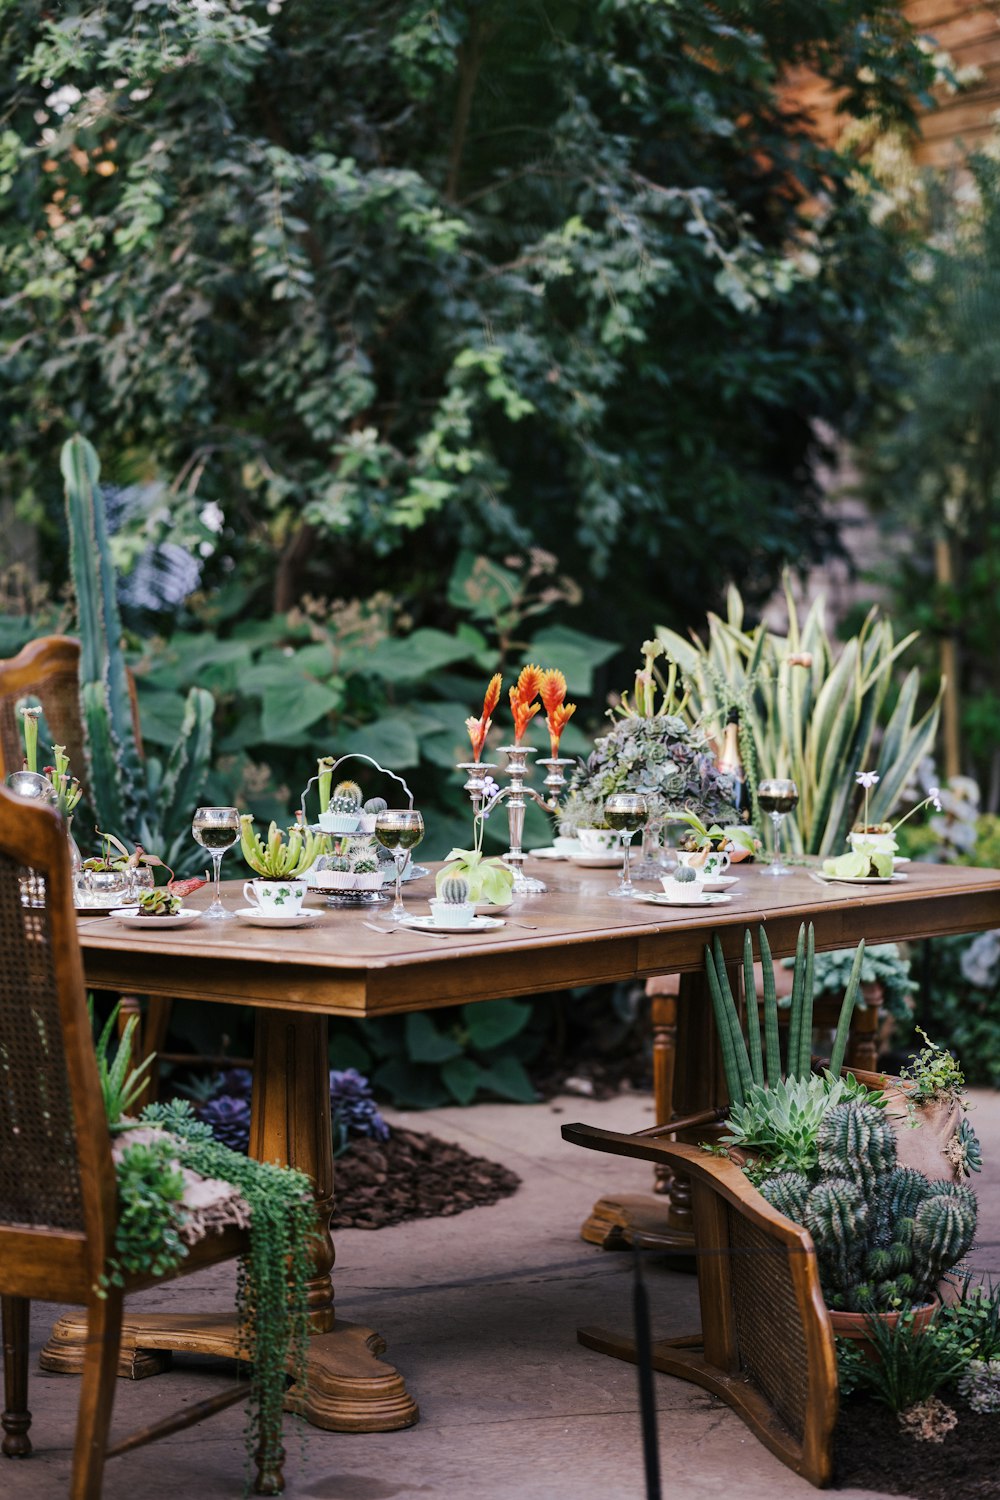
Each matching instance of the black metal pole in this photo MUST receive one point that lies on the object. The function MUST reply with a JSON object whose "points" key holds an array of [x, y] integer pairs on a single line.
{"points": [[644, 1365]]}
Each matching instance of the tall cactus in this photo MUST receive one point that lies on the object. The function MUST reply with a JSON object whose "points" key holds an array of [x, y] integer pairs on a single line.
{"points": [[883, 1234], [146, 803]]}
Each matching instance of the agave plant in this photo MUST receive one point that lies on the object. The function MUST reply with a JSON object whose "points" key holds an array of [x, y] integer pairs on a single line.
{"points": [[811, 711], [147, 802]]}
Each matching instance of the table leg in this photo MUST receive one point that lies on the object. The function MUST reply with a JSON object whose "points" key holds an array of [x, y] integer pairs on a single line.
{"points": [[666, 1221], [348, 1388]]}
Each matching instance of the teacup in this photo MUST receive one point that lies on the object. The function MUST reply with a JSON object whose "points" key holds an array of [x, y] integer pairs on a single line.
{"points": [[598, 840], [710, 867], [452, 913], [276, 898]]}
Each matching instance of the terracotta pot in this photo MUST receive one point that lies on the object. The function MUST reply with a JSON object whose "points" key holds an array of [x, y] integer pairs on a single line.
{"points": [[856, 1326], [920, 1145]]}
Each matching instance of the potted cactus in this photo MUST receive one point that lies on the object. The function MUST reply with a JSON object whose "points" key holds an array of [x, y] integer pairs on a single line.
{"points": [[885, 1235], [452, 907], [342, 812], [281, 863], [370, 812]]}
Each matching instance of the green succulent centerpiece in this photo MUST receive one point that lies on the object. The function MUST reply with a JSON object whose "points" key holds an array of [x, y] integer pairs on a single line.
{"points": [[283, 855]]}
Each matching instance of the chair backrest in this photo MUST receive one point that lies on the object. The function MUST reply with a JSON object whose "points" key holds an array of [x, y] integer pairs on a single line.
{"points": [[49, 670], [767, 1340], [57, 1184]]}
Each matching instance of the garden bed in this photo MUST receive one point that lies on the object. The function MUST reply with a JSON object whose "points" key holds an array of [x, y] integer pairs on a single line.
{"points": [[413, 1176], [872, 1452]]}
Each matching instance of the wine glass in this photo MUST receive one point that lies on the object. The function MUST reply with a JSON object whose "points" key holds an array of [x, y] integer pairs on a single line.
{"points": [[216, 829], [626, 812], [777, 797], [400, 830]]}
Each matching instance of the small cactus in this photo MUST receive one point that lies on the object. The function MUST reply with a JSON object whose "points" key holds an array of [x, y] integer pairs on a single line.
{"points": [[684, 874], [375, 805], [342, 807], [455, 890], [366, 866], [349, 792]]}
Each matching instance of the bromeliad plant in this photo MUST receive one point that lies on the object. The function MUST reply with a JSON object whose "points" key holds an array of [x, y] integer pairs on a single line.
{"points": [[283, 856]]}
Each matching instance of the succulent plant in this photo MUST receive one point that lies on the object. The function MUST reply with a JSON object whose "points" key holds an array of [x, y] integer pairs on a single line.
{"points": [[344, 807], [454, 890], [284, 855], [375, 805], [883, 1234], [782, 1122], [684, 875], [367, 865], [349, 792], [158, 903]]}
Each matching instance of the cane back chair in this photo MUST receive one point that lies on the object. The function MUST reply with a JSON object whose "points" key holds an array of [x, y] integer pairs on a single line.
{"points": [[766, 1344], [57, 1179]]}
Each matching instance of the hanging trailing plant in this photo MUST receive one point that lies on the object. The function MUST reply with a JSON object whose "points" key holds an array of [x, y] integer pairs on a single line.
{"points": [[154, 1159]]}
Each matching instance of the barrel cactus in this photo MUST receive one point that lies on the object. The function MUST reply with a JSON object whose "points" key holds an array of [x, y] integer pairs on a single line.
{"points": [[454, 891], [375, 805], [685, 875], [347, 792], [883, 1234]]}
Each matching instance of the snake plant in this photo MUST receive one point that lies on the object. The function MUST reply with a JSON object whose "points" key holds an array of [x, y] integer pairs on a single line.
{"points": [[147, 802], [811, 711]]}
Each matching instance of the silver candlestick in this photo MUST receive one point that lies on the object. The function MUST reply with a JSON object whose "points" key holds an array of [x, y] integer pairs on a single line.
{"points": [[515, 795]]}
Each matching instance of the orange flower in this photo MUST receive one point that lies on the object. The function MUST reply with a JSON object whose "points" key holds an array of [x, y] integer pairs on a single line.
{"points": [[556, 720], [523, 711], [528, 684], [552, 689], [480, 728]]}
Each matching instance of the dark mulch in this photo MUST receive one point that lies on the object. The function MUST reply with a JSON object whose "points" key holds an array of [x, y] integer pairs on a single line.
{"points": [[873, 1453], [413, 1176]]}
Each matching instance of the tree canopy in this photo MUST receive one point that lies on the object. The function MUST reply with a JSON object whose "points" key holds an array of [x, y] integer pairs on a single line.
{"points": [[378, 282]]}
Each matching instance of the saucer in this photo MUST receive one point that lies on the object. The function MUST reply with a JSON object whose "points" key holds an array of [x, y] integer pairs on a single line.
{"points": [[254, 918], [133, 918], [486, 908], [860, 879], [718, 882], [597, 861], [428, 924], [549, 852], [697, 898]]}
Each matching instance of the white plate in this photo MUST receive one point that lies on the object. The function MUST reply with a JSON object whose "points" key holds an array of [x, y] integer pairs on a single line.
{"points": [[549, 853], [133, 917], [597, 861], [860, 879], [697, 898], [488, 908], [478, 924], [254, 918], [718, 882]]}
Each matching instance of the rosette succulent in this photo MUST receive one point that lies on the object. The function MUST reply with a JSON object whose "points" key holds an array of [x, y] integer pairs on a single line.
{"points": [[659, 757], [159, 902]]}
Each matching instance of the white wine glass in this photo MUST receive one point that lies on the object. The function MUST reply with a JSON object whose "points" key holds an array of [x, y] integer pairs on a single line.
{"points": [[216, 829], [626, 813], [777, 796], [400, 831]]}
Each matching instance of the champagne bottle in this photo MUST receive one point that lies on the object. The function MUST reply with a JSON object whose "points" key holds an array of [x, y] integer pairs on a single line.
{"points": [[731, 763]]}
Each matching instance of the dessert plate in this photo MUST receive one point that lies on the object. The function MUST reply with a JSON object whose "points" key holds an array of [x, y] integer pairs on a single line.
{"points": [[597, 861], [131, 916], [859, 879], [254, 918], [428, 924], [696, 898], [718, 882], [549, 853]]}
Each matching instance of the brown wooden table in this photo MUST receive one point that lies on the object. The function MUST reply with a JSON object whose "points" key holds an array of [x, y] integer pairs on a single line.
{"points": [[296, 979]]}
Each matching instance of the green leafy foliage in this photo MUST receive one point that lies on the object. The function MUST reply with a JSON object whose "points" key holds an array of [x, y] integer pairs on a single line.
{"points": [[493, 272], [451, 1056], [121, 1083], [780, 1121]]}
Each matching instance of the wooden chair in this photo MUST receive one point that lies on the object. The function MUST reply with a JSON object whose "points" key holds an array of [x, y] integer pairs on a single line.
{"points": [[57, 1179], [766, 1345]]}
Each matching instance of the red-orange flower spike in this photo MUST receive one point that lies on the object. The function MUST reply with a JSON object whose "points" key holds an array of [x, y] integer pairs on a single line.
{"points": [[556, 721], [552, 689], [529, 683], [480, 728], [523, 713]]}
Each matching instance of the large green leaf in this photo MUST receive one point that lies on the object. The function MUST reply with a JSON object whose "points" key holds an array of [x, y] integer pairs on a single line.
{"points": [[416, 655], [575, 653], [495, 1022], [296, 704], [426, 1043]]}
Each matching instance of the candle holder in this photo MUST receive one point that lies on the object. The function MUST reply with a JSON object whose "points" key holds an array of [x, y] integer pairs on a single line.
{"points": [[516, 796]]}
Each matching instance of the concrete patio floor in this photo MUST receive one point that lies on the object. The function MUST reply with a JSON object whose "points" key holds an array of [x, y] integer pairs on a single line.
{"points": [[480, 1313]]}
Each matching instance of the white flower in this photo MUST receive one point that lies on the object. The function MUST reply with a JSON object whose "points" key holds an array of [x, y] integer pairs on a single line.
{"points": [[867, 779], [63, 99], [211, 516], [934, 795]]}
